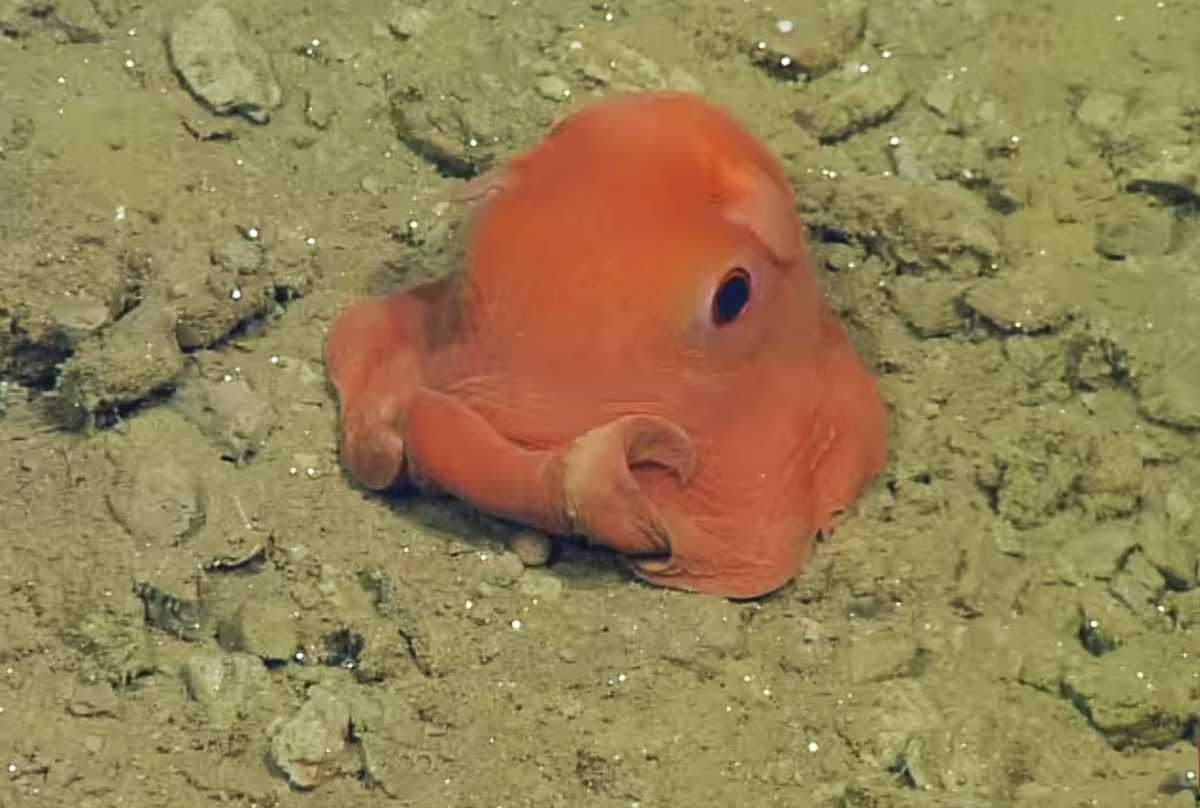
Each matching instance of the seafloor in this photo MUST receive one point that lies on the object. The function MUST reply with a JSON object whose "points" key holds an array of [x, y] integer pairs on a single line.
{"points": [[197, 607]]}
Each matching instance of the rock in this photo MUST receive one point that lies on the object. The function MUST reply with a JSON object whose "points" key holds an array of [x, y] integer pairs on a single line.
{"points": [[1043, 363], [541, 585], [406, 20], [1110, 483], [1135, 696], [1171, 395], [941, 95], [930, 307], [371, 184], [894, 718], [1017, 302], [179, 617], [223, 65], [79, 316], [1101, 112], [320, 106], [502, 569], [264, 628], [238, 258], [1105, 624], [1184, 608], [457, 137], [1137, 584], [848, 109], [919, 226], [699, 633], [1132, 228], [1095, 552], [310, 747], [553, 88], [532, 547], [226, 686], [42, 321], [1170, 541], [1178, 788], [402, 606], [94, 701], [821, 37], [601, 56], [231, 414], [1033, 477], [15, 134], [133, 360], [1096, 357], [1178, 507], [238, 288], [162, 502]]}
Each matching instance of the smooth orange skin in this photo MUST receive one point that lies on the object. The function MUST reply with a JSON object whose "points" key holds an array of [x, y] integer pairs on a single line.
{"points": [[571, 376]]}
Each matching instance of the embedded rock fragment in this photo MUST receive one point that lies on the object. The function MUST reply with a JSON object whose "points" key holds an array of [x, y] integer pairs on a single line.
{"points": [[223, 65], [135, 359]]}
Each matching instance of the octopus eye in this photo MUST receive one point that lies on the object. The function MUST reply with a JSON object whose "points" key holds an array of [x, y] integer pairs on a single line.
{"points": [[731, 297]]}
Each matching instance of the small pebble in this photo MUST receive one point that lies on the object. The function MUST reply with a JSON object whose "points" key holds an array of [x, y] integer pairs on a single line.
{"points": [[532, 547], [541, 585], [553, 88]]}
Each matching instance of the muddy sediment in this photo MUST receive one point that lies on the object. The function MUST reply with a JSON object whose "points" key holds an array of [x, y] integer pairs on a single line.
{"points": [[197, 605]]}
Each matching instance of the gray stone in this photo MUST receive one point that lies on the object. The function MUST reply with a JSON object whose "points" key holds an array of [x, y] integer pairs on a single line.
{"points": [[406, 20], [941, 95], [854, 107], [553, 88], [79, 316], [1017, 302], [226, 686], [537, 583], [918, 225], [264, 628], [1110, 483], [134, 359], [223, 65], [1171, 395], [94, 701], [231, 414], [823, 36], [1102, 112], [1135, 696], [1184, 608], [532, 547], [1178, 507], [1170, 545], [162, 502], [502, 569], [310, 747], [1137, 584], [1105, 623], [1133, 228]]}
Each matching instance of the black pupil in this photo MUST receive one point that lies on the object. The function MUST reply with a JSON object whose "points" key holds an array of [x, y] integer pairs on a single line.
{"points": [[731, 298]]}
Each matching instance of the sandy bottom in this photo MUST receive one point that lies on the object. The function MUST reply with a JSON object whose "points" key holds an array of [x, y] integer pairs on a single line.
{"points": [[197, 607]]}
